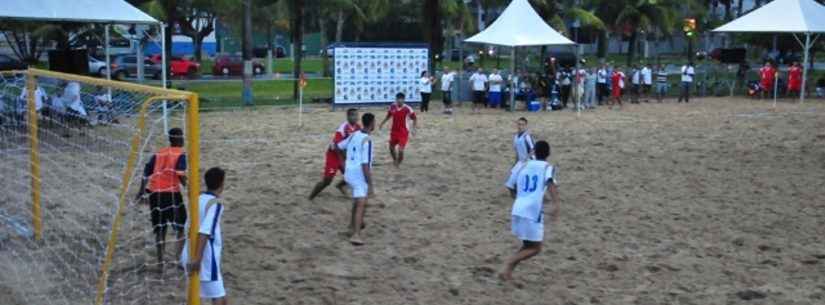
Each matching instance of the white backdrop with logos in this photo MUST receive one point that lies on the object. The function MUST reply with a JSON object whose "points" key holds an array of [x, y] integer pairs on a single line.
{"points": [[374, 75]]}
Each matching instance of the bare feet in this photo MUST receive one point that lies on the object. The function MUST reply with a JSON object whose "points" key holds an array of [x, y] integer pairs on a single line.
{"points": [[506, 274], [355, 240], [342, 188]]}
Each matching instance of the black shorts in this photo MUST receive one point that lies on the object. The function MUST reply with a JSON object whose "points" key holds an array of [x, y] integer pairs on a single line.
{"points": [[446, 97], [478, 97], [167, 209]]}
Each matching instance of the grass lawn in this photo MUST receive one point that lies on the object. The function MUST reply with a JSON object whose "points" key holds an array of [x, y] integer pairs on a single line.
{"points": [[216, 94]]}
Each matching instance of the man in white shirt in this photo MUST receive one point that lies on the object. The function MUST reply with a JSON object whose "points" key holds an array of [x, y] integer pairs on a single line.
{"points": [[534, 179], [647, 82], [496, 83], [602, 83], [479, 83], [447, 79], [636, 84], [207, 260], [358, 173], [687, 80]]}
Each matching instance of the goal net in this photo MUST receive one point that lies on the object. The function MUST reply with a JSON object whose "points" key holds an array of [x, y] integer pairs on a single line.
{"points": [[72, 159]]}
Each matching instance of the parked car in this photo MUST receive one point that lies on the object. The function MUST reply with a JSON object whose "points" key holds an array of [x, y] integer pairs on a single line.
{"points": [[97, 66], [233, 65], [124, 66], [179, 66], [8, 63]]}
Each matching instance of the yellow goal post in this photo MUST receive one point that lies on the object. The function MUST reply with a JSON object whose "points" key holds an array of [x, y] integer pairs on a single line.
{"points": [[136, 104]]}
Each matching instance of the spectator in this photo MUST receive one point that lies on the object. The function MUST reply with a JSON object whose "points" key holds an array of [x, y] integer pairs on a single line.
{"points": [[636, 84], [820, 87], [661, 83], [425, 86], [479, 82], [647, 82], [565, 79], [447, 79], [496, 84], [687, 80], [617, 84], [580, 77], [602, 83], [590, 89]]}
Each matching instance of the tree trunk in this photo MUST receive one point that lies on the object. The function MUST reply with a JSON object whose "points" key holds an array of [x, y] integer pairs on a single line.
{"points": [[246, 95], [601, 46], [270, 48], [739, 9], [297, 43], [433, 32], [690, 49], [728, 15], [339, 25], [171, 9], [631, 46], [197, 44], [322, 27]]}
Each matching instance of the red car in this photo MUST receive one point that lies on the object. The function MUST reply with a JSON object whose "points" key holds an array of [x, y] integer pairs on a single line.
{"points": [[179, 66], [233, 65]]}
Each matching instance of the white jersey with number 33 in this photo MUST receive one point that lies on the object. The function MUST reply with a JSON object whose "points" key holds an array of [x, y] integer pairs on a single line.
{"points": [[531, 183]]}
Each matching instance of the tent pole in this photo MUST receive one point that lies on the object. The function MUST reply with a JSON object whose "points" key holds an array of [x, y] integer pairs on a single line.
{"points": [[513, 79], [807, 50], [163, 74], [108, 71], [108, 57]]}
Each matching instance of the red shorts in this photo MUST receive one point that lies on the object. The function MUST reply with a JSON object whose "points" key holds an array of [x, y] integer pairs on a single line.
{"points": [[616, 92], [332, 164], [794, 86], [399, 139]]}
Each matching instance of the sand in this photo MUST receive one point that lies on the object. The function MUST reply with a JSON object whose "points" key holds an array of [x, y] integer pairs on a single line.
{"points": [[661, 204], [712, 202]]}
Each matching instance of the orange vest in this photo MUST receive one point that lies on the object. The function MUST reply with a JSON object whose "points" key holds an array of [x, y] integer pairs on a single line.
{"points": [[165, 178]]}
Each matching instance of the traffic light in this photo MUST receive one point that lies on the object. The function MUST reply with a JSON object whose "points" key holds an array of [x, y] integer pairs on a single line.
{"points": [[689, 27]]}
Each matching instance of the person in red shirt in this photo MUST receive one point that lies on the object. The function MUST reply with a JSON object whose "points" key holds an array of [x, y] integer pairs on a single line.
{"points": [[617, 84], [767, 75], [794, 78], [334, 158], [163, 177], [399, 135]]}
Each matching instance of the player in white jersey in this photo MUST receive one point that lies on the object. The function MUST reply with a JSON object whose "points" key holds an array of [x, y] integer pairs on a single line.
{"points": [[523, 145], [358, 173], [209, 245], [534, 180]]}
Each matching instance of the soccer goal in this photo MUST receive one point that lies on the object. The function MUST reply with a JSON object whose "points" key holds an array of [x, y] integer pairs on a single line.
{"points": [[72, 154]]}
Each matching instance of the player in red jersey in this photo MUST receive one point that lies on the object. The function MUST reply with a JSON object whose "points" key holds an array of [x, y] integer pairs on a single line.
{"points": [[767, 75], [794, 79], [399, 135], [334, 157]]}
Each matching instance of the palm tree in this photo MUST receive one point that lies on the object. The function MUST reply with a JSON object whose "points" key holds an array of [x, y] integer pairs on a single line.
{"points": [[644, 16], [297, 27]]}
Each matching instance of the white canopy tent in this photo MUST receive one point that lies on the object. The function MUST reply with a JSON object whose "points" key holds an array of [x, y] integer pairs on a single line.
{"points": [[519, 26], [86, 11], [784, 16]]}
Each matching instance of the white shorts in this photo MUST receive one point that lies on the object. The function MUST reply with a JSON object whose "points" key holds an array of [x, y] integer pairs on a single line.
{"points": [[212, 289], [528, 229], [511, 181], [358, 184]]}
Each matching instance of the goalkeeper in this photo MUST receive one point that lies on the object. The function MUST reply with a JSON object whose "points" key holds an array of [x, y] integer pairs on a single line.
{"points": [[161, 185]]}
